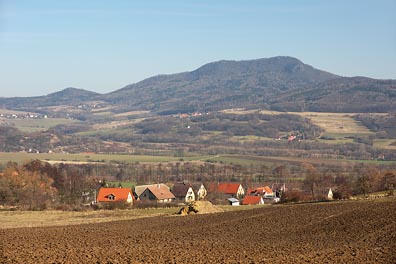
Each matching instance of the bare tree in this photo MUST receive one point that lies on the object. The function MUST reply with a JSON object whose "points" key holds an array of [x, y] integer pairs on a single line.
{"points": [[312, 178]]}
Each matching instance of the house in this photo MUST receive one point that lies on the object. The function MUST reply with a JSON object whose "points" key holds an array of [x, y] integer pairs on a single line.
{"points": [[330, 194], [183, 192], [264, 191], [233, 201], [115, 195], [139, 189], [234, 190], [252, 200], [157, 192], [201, 192]]}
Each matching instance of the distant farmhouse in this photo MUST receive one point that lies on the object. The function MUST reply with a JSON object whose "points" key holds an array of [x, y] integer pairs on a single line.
{"points": [[252, 200], [201, 192], [183, 192], [111, 195], [154, 192], [186, 192], [231, 190]]}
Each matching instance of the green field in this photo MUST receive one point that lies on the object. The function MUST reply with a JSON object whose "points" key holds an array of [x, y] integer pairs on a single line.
{"points": [[20, 157], [268, 160], [34, 125]]}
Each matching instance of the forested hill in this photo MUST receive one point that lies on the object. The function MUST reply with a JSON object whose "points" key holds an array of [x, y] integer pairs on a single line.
{"points": [[355, 94], [68, 96], [221, 85], [278, 83]]}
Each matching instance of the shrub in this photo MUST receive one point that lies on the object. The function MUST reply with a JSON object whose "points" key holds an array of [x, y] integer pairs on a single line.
{"points": [[114, 206], [153, 204], [294, 196]]}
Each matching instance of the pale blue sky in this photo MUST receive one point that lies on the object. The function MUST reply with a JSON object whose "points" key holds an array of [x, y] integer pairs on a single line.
{"points": [[103, 45]]}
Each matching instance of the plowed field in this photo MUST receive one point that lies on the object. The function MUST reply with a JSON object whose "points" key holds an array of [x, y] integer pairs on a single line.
{"points": [[344, 232]]}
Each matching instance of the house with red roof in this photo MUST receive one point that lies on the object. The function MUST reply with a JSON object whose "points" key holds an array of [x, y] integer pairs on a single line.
{"points": [[115, 195], [264, 191], [234, 190], [252, 200]]}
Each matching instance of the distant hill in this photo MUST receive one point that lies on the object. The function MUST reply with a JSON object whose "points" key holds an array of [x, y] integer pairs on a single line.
{"points": [[278, 83], [68, 96], [220, 85]]}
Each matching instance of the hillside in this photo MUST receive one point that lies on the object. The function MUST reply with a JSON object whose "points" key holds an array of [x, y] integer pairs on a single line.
{"points": [[68, 96], [220, 85], [278, 83], [356, 94]]}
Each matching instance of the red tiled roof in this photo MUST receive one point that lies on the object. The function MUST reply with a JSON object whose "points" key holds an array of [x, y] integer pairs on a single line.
{"points": [[260, 190], [251, 191], [251, 200], [228, 188], [120, 194]]}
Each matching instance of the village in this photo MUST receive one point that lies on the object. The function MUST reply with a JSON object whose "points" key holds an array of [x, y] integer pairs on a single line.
{"points": [[231, 193], [18, 115]]}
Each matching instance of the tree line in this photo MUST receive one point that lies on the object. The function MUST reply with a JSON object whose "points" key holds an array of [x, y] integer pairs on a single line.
{"points": [[38, 185]]}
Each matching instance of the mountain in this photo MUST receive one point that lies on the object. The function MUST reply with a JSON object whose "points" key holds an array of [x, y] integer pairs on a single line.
{"points": [[68, 96], [278, 83], [220, 85]]}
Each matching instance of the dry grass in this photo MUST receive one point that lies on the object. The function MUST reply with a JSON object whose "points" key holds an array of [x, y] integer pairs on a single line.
{"points": [[385, 143], [17, 219], [336, 123]]}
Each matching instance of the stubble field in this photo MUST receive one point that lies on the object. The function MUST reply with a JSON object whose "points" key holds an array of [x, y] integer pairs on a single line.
{"points": [[342, 232]]}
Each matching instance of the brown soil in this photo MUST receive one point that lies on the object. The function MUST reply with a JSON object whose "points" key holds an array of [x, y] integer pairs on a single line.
{"points": [[345, 232]]}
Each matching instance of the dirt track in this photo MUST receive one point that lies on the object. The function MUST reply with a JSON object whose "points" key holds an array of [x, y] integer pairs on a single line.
{"points": [[348, 232]]}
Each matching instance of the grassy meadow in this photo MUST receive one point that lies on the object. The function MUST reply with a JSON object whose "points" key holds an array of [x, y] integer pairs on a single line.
{"points": [[20, 157], [36, 125]]}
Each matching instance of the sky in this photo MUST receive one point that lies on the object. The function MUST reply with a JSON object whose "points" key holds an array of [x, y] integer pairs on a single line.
{"points": [[103, 45]]}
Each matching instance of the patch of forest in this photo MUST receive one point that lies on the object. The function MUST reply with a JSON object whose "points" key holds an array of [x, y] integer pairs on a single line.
{"points": [[383, 125]]}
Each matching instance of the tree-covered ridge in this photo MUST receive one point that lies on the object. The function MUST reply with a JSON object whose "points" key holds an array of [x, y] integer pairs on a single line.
{"points": [[357, 94], [278, 83], [220, 85]]}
